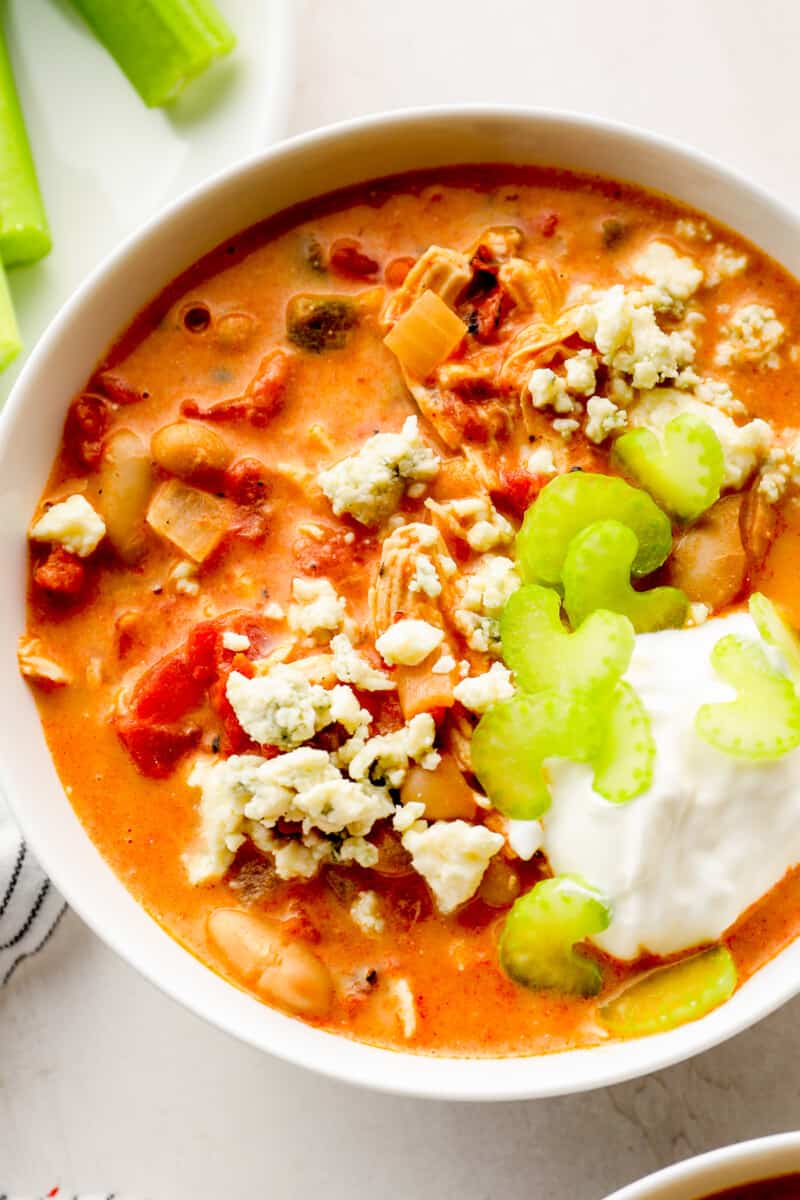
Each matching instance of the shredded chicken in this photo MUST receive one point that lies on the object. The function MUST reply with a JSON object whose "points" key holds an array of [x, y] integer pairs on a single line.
{"points": [[37, 666], [457, 738], [534, 287], [395, 590], [536, 345], [440, 270]]}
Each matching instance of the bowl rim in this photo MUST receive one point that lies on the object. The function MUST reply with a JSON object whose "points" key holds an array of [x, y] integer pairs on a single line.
{"points": [[716, 1170], [423, 1076]]}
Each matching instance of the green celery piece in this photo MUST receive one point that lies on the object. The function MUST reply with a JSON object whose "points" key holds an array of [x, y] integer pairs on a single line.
{"points": [[160, 44], [536, 945], [683, 473], [544, 656], [597, 574], [10, 342], [623, 769], [568, 504], [776, 630], [673, 995], [24, 233], [515, 736], [763, 722]]}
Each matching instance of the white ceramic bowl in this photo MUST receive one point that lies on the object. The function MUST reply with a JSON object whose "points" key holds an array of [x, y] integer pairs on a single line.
{"points": [[730, 1167], [29, 435]]}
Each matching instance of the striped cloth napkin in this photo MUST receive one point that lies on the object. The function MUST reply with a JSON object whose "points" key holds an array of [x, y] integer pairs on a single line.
{"points": [[30, 907]]}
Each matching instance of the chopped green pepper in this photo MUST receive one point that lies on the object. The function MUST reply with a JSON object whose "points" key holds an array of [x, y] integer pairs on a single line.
{"points": [[319, 323]]}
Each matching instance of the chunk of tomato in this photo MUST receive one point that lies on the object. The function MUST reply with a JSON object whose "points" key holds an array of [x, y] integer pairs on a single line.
{"points": [[167, 691], [155, 748]]}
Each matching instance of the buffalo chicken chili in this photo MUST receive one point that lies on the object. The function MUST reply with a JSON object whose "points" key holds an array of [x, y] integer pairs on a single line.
{"points": [[411, 611]]}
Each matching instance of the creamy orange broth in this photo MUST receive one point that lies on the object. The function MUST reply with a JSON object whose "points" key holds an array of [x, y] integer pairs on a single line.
{"points": [[332, 403]]}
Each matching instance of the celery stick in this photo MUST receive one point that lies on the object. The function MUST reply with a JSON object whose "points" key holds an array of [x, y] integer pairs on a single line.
{"points": [[24, 235], [160, 44], [10, 344]]}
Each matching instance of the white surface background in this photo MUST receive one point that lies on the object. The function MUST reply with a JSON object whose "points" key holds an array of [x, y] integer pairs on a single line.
{"points": [[104, 1084]]}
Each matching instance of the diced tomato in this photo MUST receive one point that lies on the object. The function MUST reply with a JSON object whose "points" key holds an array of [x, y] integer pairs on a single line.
{"points": [[475, 429], [487, 315], [387, 714], [261, 401], [84, 428], [246, 481], [61, 574], [167, 691], [396, 271], [484, 260], [125, 628], [155, 748], [179, 683], [336, 556], [266, 391], [518, 490], [203, 652], [250, 524], [226, 410], [118, 389], [548, 224], [347, 259]]}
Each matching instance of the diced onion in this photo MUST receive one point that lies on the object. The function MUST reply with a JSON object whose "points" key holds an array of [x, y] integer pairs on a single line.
{"points": [[192, 520], [426, 335]]}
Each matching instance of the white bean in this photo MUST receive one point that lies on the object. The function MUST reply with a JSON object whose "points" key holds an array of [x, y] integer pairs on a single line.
{"points": [[126, 480], [186, 449], [286, 973]]}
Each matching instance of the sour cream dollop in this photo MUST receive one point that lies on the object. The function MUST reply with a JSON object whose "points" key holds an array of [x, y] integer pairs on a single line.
{"points": [[711, 835]]}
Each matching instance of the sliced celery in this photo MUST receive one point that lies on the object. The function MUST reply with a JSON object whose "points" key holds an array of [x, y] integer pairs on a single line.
{"points": [[536, 945], [597, 574], [776, 630], [513, 739], [160, 44], [544, 655], [571, 502], [673, 995], [683, 473], [10, 343], [623, 768], [763, 722], [24, 234]]}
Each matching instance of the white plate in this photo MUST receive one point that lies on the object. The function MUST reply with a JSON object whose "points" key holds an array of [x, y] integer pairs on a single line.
{"points": [[106, 163]]}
